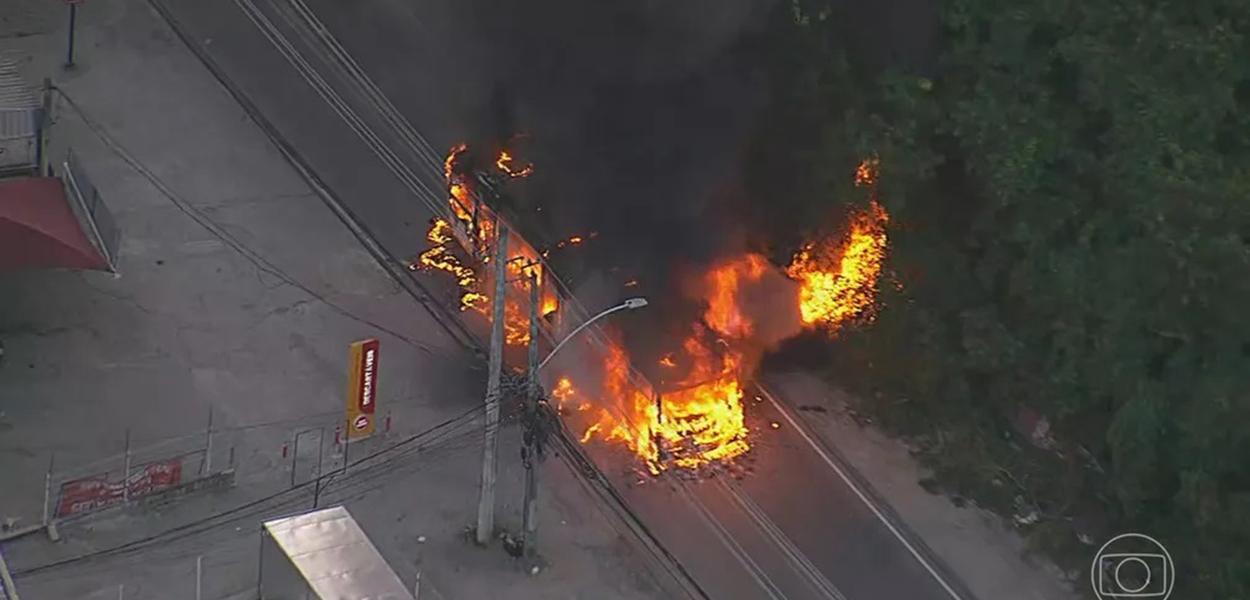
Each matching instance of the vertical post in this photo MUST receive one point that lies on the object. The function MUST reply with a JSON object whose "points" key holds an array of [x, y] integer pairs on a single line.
{"points": [[321, 448], [6, 580], [73, 17], [208, 444], [316, 492], [486, 500], [416, 587], [47, 491], [121, 591], [529, 515], [126, 470], [41, 130], [199, 577], [347, 440], [295, 457]]}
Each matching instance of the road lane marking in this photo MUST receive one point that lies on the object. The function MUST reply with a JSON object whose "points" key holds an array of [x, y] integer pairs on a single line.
{"points": [[804, 565], [731, 543], [860, 494], [392, 161]]}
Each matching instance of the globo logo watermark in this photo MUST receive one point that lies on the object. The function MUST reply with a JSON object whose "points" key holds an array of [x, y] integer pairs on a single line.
{"points": [[1132, 565]]}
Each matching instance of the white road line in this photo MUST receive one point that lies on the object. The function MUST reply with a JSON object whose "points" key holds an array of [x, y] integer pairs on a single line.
{"points": [[409, 179], [799, 560], [860, 494], [731, 544]]}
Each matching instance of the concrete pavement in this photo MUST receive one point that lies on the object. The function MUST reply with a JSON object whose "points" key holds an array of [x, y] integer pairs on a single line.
{"points": [[991, 558], [423, 60], [378, 194], [240, 289]]}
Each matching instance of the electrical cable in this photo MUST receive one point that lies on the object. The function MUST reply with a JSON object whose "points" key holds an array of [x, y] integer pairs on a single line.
{"points": [[241, 511], [257, 260]]}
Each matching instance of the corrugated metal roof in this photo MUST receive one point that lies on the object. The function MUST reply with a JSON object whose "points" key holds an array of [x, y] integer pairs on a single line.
{"points": [[17, 124], [335, 556], [15, 92]]}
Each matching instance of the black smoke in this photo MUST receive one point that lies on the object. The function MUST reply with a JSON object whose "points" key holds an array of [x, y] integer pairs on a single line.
{"points": [[636, 115]]}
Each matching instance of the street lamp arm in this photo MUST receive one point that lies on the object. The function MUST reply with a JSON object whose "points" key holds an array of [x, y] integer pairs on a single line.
{"points": [[630, 304]]}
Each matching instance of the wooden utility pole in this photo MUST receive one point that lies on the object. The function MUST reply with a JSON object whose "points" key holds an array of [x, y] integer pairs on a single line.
{"points": [[486, 501], [529, 517]]}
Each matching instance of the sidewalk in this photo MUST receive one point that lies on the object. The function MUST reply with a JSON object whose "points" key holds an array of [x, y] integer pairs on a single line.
{"points": [[989, 557], [239, 290]]}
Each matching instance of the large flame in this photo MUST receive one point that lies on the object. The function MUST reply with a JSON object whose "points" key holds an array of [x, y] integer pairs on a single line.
{"points": [[439, 257], [522, 261], [699, 422], [723, 283], [839, 281], [702, 420]]}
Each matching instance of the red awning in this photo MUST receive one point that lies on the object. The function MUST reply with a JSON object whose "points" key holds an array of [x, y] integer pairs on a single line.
{"points": [[38, 228]]}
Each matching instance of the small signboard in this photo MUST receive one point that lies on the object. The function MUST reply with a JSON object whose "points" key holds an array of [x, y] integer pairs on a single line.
{"points": [[362, 389]]}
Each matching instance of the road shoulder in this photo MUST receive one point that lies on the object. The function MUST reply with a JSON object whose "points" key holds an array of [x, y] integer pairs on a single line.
{"points": [[990, 558]]}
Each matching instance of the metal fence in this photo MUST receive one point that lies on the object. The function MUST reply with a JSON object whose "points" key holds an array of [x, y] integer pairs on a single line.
{"points": [[94, 216], [137, 473], [264, 457], [21, 118], [19, 140]]}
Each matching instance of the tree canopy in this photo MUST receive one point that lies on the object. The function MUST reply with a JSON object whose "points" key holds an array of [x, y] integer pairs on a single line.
{"points": [[1069, 188]]}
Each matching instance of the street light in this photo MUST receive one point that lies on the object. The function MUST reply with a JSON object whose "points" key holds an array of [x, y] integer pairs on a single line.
{"points": [[534, 431], [630, 304]]}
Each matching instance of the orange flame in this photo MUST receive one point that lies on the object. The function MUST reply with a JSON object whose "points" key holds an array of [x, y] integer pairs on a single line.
{"points": [[570, 241], [723, 282], [439, 257], [700, 423], [838, 281], [504, 163], [550, 305], [449, 163], [563, 391], [703, 421], [464, 209]]}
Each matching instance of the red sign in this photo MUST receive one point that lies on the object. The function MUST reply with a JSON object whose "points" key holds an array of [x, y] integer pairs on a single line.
{"points": [[90, 493], [362, 387]]}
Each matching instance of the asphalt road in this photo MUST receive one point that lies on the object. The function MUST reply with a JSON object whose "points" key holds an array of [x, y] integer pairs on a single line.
{"points": [[794, 527]]}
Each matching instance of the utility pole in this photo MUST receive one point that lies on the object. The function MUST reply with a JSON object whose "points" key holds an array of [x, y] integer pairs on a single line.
{"points": [[73, 18], [530, 452], [486, 501]]}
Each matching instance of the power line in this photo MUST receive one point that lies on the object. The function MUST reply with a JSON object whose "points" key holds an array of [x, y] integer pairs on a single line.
{"points": [[248, 509], [252, 256]]}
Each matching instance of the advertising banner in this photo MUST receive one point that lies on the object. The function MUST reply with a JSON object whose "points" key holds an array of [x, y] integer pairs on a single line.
{"points": [[91, 493]]}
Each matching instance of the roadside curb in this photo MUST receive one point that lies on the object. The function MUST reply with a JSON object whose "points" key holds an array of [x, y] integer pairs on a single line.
{"points": [[597, 483], [585, 471]]}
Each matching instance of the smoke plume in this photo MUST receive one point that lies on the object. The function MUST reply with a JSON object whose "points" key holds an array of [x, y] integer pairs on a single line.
{"points": [[636, 114]]}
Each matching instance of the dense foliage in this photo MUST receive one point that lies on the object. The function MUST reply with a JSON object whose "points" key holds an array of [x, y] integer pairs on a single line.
{"points": [[1069, 186]]}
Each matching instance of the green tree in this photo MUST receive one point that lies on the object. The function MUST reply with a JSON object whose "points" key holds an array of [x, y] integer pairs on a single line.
{"points": [[1071, 194]]}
